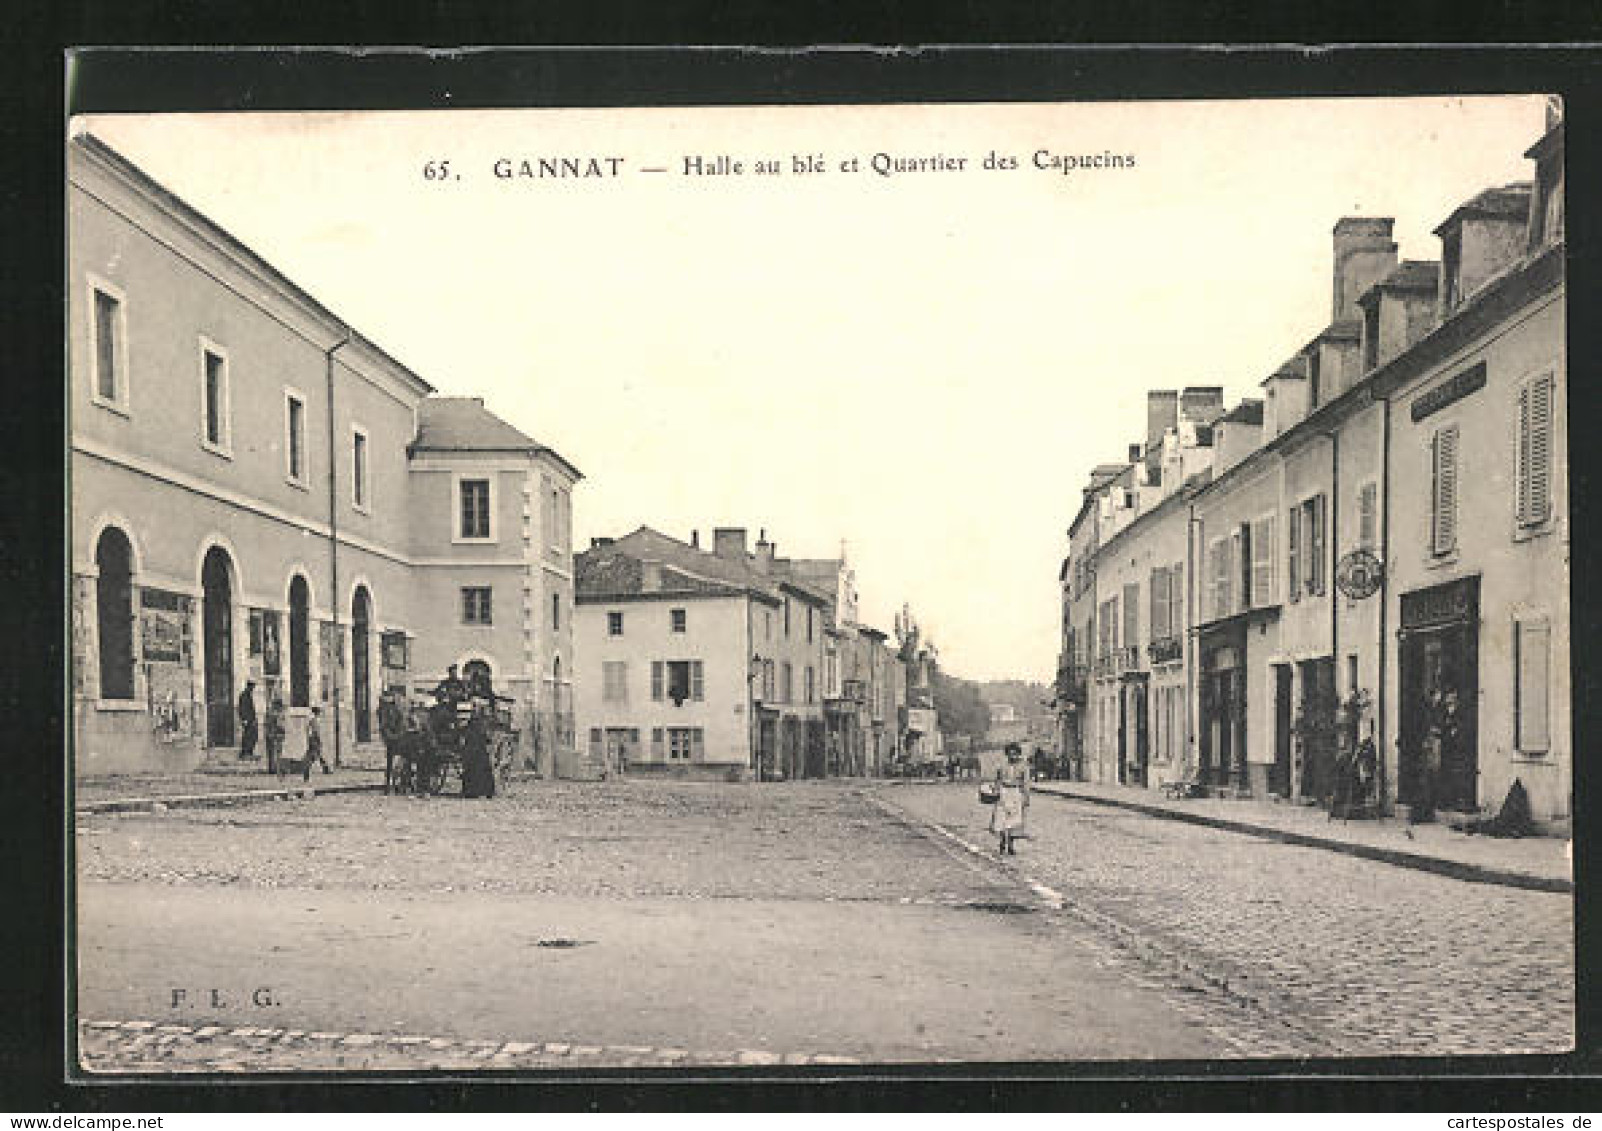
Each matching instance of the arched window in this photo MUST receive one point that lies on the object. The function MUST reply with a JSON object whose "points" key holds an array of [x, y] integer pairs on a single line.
{"points": [[114, 614], [299, 643]]}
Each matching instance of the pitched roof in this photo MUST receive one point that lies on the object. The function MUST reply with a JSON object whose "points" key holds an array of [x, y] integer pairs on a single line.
{"points": [[1510, 201], [614, 569], [1247, 412], [463, 424], [1409, 275]]}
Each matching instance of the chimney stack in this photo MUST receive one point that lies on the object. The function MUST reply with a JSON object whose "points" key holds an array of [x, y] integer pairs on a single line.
{"points": [[1364, 254], [695, 539], [1162, 413], [1201, 404], [729, 542], [650, 575], [765, 551]]}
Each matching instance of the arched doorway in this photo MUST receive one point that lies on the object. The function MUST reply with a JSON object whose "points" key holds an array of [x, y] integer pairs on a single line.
{"points": [[361, 613], [217, 643], [474, 671], [299, 642], [114, 614]]}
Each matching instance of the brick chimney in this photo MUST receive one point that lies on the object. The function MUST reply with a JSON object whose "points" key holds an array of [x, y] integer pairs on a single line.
{"points": [[1364, 254], [765, 551], [695, 539], [729, 542], [1162, 413]]}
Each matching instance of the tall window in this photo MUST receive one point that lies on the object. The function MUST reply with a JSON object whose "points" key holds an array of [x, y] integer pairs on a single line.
{"points": [[787, 618], [1314, 523], [114, 614], [358, 468], [1368, 516], [556, 612], [786, 682], [111, 378], [214, 397], [811, 685], [809, 624], [299, 643], [1220, 577], [614, 681], [677, 681], [1532, 644], [1534, 498], [476, 605], [1159, 604], [1131, 615], [474, 503], [678, 619], [1443, 490], [1262, 544], [295, 438], [614, 624]]}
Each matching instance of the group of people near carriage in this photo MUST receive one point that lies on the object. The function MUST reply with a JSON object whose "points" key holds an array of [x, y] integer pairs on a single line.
{"points": [[462, 729]]}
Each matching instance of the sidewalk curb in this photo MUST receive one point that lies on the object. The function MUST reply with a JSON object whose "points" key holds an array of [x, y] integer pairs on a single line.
{"points": [[1455, 869], [237, 797]]}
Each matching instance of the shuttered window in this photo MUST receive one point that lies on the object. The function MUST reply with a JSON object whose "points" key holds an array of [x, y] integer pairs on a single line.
{"points": [[614, 681], [1176, 599], [1237, 588], [1262, 543], [1131, 615], [1532, 645], [656, 681], [1220, 565], [1535, 452], [1443, 489], [1368, 516], [1293, 562]]}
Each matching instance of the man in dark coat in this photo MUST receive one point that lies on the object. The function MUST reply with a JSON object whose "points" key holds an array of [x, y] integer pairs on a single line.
{"points": [[247, 720]]}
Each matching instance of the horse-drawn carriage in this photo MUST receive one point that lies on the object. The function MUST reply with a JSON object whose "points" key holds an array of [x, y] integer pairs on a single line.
{"points": [[428, 747]]}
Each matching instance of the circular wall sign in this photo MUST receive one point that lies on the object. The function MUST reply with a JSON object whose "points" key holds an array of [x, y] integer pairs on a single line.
{"points": [[1358, 574]]}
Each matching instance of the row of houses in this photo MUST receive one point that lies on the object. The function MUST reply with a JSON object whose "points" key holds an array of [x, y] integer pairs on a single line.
{"points": [[731, 659], [261, 495], [1376, 548]]}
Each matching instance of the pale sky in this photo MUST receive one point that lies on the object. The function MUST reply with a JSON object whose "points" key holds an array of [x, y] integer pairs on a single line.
{"points": [[925, 365]]}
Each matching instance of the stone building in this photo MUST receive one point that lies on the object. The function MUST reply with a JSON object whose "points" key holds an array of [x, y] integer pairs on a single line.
{"points": [[259, 492], [696, 662], [1341, 585]]}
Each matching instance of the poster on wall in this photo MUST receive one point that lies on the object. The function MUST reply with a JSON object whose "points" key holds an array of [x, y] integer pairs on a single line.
{"points": [[164, 626], [171, 701]]}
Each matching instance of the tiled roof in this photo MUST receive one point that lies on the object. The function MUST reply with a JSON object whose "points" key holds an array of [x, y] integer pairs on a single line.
{"points": [[1341, 330], [1247, 412], [1412, 275], [1508, 201], [447, 424], [614, 570]]}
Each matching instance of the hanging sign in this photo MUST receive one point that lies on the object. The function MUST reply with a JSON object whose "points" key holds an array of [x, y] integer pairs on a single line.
{"points": [[1358, 574]]}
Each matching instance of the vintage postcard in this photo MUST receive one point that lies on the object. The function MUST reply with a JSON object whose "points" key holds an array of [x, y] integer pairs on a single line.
{"points": [[812, 589]]}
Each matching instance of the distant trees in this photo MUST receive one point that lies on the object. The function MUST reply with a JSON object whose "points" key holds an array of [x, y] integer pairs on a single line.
{"points": [[961, 705]]}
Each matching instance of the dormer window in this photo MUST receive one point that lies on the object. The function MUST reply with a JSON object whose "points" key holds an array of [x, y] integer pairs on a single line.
{"points": [[1371, 332], [1451, 270]]}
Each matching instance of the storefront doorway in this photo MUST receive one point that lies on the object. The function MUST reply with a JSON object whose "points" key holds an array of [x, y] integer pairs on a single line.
{"points": [[1439, 756]]}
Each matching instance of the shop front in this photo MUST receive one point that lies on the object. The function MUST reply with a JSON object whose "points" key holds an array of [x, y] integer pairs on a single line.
{"points": [[1438, 755]]}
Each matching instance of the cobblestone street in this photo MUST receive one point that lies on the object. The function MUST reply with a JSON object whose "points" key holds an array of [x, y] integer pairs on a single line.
{"points": [[652, 924], [1372, 958]]}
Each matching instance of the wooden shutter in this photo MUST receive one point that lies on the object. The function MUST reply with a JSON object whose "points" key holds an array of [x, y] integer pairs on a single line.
{"points": [[1262, 570], [1535, 452], [656, 681], [1532, 640], [1159, 603], [1444, 516], [1176, 598], [1131, 615], [697, 682], [1293, 574]]}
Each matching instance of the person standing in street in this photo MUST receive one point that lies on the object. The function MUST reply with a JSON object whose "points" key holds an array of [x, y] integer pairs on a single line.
{"points": [[247, 720], [273, 733], [1011, 810], [314, 741]]}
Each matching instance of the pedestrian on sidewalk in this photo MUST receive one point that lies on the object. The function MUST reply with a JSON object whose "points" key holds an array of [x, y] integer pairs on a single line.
{"points": [[247, 720], [1011, 810], [273, 733], [314, 741]]}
